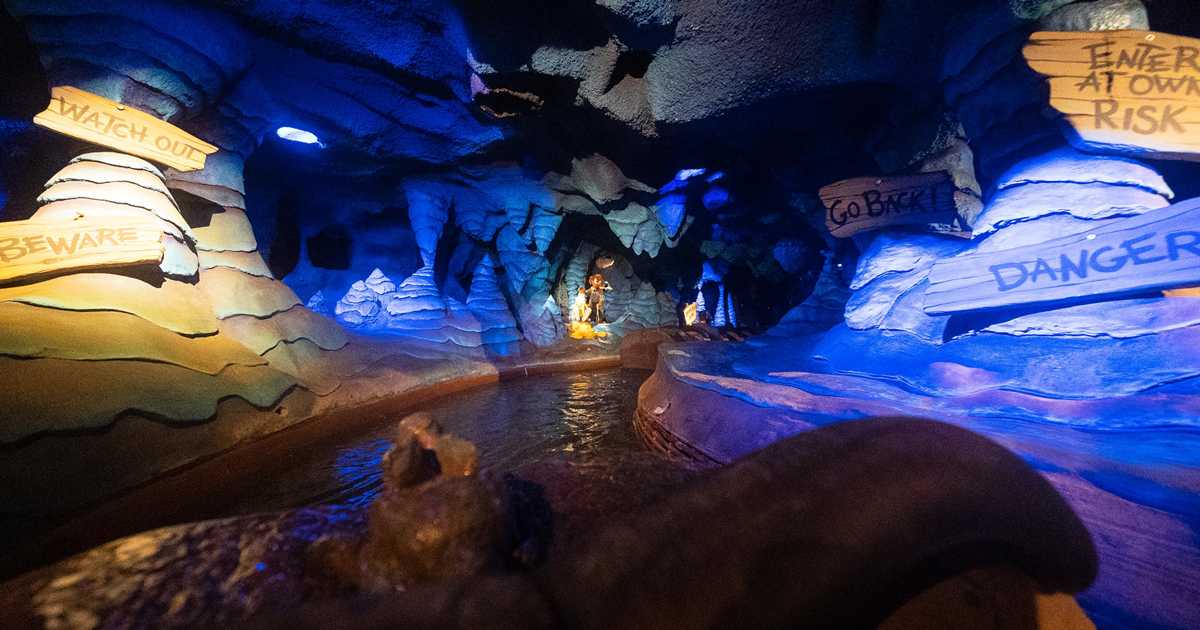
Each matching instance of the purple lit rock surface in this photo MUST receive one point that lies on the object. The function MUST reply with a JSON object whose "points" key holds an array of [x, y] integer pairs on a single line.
{"points": [[1102, 397], [1124, 460]]}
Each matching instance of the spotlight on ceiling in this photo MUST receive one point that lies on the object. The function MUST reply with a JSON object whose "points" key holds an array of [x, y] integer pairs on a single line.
{"points": [[298, 135]]}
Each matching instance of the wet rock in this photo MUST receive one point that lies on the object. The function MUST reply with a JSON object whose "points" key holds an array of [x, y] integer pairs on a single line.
{"points": [[435, 519], [456, 457], [419, 426], [408, 463], [445, 528]]}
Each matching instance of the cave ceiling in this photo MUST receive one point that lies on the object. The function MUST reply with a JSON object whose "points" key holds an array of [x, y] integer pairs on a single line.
{"points": [[583, 107]]}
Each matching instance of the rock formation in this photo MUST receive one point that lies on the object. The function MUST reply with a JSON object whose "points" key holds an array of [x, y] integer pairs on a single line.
{"points": [[498, 329], [417, 308], [493, 155], [359, 307], [434, 520]]}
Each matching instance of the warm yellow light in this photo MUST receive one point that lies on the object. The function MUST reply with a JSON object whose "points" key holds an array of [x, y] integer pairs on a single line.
{"points": [[690, 314], [584, 330], [580, 311]]}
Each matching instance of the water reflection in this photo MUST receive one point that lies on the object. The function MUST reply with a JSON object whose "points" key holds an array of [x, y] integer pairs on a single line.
{"points": [[582, 419]]}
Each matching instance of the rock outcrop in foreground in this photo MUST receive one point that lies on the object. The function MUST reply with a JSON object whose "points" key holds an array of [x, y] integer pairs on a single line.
{"points": [[924, 500]]}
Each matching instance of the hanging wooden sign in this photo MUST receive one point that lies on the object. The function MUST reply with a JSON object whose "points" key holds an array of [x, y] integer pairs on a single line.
{"points": [[97, 119], [1153, 251], [31, 249], [1125, 91], [869, 203]]}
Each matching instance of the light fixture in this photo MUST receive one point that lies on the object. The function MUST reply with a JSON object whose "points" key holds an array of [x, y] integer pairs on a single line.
{"points": [[298, 135]]}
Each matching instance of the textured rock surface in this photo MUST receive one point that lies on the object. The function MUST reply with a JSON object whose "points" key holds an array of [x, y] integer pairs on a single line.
{"points": [[1098, 15], [890, 281], [774, 395], [435, 519], [486, 157], [498, 329], [164, 336]]}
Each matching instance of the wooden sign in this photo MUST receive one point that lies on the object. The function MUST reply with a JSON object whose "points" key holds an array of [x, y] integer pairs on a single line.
{"points": [[96, 119], [869, 203], [30, 249], [1153, 251], [1125, 91]]}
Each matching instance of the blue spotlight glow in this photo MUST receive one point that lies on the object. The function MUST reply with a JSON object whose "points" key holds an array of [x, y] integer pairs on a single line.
{"points": [[298, 135], [688, 173]]}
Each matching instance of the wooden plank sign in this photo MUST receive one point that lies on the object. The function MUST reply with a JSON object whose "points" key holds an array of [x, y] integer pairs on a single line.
{"points": [[869, 203], [1156, 250], [96, 119], [32, 249], [1125, 91]]}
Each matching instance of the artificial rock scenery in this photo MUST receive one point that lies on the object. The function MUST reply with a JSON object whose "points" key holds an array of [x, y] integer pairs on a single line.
{"points": [[911, 341], [208, 347], [471, 163], [505, 220]]}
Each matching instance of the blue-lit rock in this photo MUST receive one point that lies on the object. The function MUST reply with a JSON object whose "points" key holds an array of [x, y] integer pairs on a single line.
{"points": [[542, 322], [672, 209], [428, 212], [1085, 201], [824, 308], [359, 307], [890, 281], [417, 307], [498, 330], [318, 303], [1067, 165]]}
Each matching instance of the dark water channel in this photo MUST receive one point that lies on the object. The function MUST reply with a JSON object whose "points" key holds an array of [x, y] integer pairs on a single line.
{"points": [[571, 433]]}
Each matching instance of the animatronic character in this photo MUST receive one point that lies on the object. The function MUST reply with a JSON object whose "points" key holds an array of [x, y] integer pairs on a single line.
{"points": [[579, 309], [595, 296]]}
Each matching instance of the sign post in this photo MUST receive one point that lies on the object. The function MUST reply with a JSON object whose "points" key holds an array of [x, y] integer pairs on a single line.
{"points": [[1124, 91], [93, 118], [1153, 251], [869, 203], [32, 249]]}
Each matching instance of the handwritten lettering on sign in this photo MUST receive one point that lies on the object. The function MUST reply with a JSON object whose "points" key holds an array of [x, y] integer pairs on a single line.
{"points": [[1150, 252], [869, 203], [1126, 91], [30, 249], [97, 119]]}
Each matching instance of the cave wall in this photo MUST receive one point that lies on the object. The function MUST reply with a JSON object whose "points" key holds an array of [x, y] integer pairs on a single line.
{"points": [[474, 161]]}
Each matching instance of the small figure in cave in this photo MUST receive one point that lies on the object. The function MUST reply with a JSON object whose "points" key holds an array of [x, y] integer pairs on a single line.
{"points": [[597, 285], [579, 310]]}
